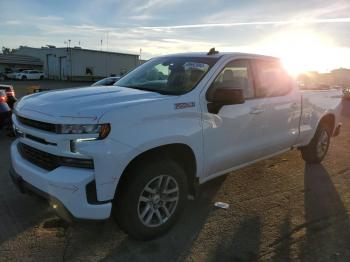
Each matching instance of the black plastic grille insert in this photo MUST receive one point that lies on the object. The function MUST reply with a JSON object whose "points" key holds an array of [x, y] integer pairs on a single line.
{"points": [[49, 161]]}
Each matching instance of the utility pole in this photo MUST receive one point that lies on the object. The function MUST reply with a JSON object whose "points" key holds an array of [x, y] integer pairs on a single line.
{"points": [[71, 60], [140, 56], [107, 55]]}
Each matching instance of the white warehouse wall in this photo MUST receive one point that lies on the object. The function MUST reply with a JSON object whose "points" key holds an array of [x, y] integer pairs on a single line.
{"points": [[101, 63], [72, 63]]}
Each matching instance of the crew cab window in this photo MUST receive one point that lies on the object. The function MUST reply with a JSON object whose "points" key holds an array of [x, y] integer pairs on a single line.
{"points": [[235, 75], [272, 80]]}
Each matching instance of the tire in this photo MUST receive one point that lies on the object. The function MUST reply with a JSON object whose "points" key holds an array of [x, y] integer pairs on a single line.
{"points": [[24, 78], [134, 205], [317, 149], [41, 77]]}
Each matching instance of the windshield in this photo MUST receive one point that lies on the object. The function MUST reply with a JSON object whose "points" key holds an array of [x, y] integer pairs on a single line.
{"points": [[169, 75]]}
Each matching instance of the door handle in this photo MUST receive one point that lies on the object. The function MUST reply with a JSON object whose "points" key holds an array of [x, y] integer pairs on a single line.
{"points": [[256, 111]]}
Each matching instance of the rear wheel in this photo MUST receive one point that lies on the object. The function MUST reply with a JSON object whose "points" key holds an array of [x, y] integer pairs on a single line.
{"points": [[151, 198], [24, 78], [318, 147], [41, 77]]}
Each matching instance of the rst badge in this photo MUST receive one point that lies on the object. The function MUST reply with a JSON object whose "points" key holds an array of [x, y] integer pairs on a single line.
{"points": [[184, 105]]}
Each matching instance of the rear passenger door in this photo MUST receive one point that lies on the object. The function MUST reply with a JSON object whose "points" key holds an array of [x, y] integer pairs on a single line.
{"points": [[34, 74], [280, 102], [30, 74]]}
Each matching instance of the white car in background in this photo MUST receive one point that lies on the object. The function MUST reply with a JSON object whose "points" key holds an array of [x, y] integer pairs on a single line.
{"points": [[30, 74], [11, 74]]}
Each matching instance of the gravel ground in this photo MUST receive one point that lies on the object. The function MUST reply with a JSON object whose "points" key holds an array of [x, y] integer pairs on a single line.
{"points": [[280, 210]]}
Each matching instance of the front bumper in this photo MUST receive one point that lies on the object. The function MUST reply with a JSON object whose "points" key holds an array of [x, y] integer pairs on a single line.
{"points": [[64, 187]]}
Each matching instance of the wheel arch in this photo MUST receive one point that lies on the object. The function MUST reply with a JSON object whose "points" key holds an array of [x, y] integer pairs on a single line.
{"points": [[179, 152], [329, 120]]}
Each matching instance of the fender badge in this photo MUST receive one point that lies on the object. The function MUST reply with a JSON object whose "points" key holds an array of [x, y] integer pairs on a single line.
{"points": [[184, 105]]}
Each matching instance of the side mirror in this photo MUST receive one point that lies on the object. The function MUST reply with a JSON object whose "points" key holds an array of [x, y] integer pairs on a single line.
{"points": [[224, 96], [227, 96]]}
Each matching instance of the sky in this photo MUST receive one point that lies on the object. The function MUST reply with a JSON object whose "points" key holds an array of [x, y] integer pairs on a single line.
{"points": [[307, 35]]}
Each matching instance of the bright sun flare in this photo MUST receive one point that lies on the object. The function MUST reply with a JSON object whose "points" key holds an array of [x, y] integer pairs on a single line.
{"points": [[304, 51]]}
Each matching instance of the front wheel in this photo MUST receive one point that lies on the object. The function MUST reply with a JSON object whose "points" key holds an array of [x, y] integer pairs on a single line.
{"points": [[151, 198], [318, 147]]}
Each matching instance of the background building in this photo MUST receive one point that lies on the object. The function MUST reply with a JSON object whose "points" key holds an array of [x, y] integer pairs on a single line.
{"points": [[337, 77], [80, 64], [11, 61]]}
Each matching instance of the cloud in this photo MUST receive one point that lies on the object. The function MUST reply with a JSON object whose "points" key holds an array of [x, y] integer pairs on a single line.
{"points": [[141, 17], [253, 23], [13, 22], [162, 27]]}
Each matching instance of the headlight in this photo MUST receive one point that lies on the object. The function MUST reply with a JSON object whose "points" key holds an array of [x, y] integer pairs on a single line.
{"points": [[102, 130]]}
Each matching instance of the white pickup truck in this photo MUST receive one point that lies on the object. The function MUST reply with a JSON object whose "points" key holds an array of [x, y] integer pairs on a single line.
{"points": [[140, 148]]}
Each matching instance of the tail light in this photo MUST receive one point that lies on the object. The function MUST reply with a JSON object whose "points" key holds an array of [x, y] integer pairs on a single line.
{"points": [[3, 99]]}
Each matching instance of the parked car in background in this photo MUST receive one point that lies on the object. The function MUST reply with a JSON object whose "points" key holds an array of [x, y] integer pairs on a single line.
{"points": [[5, 110], [108, 81], [143, 145], [30, 75], [11, 74], [10, 93]]}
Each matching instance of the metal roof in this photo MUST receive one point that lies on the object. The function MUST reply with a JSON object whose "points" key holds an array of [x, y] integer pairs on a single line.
{"points": [[73, 49], [221, 54], [19, 60]]}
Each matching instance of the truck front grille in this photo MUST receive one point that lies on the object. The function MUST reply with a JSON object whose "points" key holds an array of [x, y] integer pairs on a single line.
{"points": [[37, 124], [49, 161]]}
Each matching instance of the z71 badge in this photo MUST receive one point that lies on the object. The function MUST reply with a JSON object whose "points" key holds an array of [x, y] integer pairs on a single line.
{"points": [[184, 105]]}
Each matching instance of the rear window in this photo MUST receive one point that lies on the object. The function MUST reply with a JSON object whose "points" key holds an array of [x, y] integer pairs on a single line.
{"points": [[272, 79]]}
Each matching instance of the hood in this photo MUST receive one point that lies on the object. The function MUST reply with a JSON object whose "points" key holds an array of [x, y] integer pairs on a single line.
{"points": [[88, 103]]}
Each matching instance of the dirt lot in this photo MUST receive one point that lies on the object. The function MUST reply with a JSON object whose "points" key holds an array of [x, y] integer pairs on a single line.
{"points": [[280, 210]]}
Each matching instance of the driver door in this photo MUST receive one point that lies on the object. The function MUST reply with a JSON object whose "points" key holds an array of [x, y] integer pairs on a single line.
{"points": [[233, 135]]}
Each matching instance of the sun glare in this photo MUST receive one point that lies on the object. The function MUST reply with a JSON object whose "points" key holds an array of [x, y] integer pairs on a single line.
{"points": [[304, 51]]}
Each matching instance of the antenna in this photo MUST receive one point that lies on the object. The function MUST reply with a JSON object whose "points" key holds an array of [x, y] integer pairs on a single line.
{"points": [[212, 51]]}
